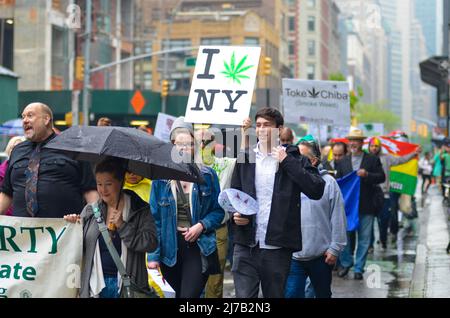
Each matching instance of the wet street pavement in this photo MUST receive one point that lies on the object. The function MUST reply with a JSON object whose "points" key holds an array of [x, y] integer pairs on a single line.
{"points": [[417, 265]]}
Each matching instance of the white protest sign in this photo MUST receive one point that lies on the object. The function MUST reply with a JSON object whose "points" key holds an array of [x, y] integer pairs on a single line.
{"points": [[163, 126], [320, 132], [340, 131], [39, 258], [316, 102], [223, 83], [161, 286]]}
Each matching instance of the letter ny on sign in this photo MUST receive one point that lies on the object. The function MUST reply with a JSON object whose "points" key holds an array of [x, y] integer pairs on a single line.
{"points": [[223, 83]]}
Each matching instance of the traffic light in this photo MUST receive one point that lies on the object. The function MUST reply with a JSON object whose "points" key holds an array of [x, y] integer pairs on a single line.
{"points": [[79, 68], [267, 66], [413, 126], [164, 88], [422, 130], [69, 119], [442, 109], [419, 130]]}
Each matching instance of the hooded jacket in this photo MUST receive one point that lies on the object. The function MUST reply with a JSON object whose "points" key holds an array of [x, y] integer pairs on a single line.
{"points": [[324, 224]]}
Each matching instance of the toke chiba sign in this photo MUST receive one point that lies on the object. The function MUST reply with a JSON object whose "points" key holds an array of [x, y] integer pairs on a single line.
{"points": [[316, 102]]}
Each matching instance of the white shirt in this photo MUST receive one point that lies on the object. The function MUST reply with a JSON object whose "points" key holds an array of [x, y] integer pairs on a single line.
{"points": [[266, 168]]}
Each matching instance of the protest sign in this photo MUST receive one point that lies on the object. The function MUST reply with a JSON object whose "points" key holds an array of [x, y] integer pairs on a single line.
{"points": [[39, 257], [163, 126], [223, 84], [316, 102]]}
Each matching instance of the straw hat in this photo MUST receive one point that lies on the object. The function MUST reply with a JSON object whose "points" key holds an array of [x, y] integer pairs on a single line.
{"points": [[356, 134]]}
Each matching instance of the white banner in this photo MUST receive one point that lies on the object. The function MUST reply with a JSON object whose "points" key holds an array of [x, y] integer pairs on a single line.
{"points": [[223, 83], [316, 102], [163, 126], [39, 258]]}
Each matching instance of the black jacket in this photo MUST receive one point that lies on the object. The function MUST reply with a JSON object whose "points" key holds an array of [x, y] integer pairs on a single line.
{"points": [[369, 185], [295, 175]]}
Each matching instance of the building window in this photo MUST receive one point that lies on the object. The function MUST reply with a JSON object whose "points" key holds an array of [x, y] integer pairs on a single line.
{"points": [[311, 4], [176, 43], [311, 23], [251, 41], [148, 47], [291, 48], [292, 68], [291, 23], [216, 41], [311, 47], [311, 70]]}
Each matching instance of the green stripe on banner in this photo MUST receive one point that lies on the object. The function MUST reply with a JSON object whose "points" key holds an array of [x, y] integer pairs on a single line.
{"points": [[403, 183]]}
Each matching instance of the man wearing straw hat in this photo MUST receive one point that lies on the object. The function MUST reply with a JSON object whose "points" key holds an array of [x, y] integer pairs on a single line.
{"points": [[370, 170]]}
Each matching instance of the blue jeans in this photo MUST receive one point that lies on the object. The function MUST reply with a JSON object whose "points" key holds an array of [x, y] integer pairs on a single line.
{"points": [[111, 290], [319, 272], [364, 235]]}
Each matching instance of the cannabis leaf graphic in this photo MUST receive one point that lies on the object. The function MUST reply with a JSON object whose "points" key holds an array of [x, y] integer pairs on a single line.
{"points": [[235, 72], [314, 93]]}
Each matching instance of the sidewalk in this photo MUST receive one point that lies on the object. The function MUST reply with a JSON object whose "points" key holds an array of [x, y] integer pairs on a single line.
{"points": [[431, 278]]}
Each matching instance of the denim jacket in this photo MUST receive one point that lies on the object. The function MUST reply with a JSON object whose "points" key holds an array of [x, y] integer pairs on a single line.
{"points": [[204, 207]]}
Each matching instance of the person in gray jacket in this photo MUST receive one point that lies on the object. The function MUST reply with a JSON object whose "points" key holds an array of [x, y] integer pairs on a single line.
{"points": [[132, 230], [324, 233]]}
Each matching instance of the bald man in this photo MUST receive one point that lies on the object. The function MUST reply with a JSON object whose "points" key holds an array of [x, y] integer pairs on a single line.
{"points": [[286, 136], [43, 182]]}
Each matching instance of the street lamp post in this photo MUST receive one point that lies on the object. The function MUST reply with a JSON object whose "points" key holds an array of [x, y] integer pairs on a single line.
{"points": [[87, 58]]}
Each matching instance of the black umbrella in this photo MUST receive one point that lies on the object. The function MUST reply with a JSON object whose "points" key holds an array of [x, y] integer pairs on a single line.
{"points": [[146, 155]]}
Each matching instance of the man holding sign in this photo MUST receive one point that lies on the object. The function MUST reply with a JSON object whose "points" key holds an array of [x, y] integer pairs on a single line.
{"points": [[274, 176], [42, 185]]}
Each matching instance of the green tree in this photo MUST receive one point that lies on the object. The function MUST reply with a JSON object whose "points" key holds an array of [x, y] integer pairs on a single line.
{"points": [[355, 97]]}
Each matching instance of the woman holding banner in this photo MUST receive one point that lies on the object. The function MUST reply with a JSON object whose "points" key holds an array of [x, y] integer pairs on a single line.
{"points": [[132, 230]]}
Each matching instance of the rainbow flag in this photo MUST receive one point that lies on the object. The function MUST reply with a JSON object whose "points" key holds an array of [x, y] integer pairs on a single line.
{"points": [[403, 178]]}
